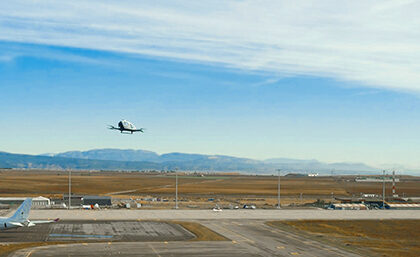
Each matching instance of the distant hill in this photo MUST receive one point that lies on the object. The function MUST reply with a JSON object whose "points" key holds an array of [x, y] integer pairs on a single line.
{"points": [[112, 155], [314, 165], [8, 160], [117, 159], [142, 155]]}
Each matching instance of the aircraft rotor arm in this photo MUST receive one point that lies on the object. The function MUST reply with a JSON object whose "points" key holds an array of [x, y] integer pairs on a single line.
{"points": [[140, 130], [112, 127]]}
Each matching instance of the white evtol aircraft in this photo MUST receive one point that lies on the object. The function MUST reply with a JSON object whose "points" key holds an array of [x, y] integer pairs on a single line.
{"points": [[125, 125], [20, 217]]}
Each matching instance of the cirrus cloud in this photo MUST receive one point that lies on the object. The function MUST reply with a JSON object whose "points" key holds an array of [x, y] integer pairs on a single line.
{"points": [[375, 43]]}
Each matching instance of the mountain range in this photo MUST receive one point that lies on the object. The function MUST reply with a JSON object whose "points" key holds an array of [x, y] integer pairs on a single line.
{"points": [[126, 159]]}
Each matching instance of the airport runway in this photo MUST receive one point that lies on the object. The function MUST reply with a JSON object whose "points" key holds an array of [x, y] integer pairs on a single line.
{"points": [[102, 233], [259, 214], [246, 238]]}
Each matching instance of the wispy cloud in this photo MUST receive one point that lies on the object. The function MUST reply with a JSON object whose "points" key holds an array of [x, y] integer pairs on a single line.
{"points": [[376, 43], [265, 82]]}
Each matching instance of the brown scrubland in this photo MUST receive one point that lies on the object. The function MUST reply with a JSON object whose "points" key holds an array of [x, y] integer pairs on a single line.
{"points": [[85, 182], [294, 190]]}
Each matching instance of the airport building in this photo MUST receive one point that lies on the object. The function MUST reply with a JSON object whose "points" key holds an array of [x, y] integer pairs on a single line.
{"points": [[386, 179], [77, 200], [348, 206], [100, 200], [39, 201], [400, 206]]}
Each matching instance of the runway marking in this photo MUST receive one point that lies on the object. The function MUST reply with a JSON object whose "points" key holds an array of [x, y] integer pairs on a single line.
{"points": [[312, 243], [236, 234], [285, 234], [80, 236], [338, 254], [154, 250], [30, 253], [289, 236]]}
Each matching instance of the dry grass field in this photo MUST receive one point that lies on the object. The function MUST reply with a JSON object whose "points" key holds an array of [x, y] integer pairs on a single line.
{"points": [[375, 238], [55, 183]]}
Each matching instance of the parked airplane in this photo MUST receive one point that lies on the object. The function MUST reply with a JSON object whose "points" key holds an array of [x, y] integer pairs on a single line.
{"points": [[20, 218], [125, 125]]}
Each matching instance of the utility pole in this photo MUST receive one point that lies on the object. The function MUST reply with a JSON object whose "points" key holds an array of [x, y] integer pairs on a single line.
{"points": [[383, 190], [393, 185], [278, 190], [176, 189], [69, 188]]}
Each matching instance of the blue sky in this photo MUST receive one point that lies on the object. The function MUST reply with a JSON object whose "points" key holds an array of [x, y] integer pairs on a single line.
{"points": [[260, 88]]}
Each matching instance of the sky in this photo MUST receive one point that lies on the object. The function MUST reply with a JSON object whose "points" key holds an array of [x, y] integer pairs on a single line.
{"points": [[332, 81]]}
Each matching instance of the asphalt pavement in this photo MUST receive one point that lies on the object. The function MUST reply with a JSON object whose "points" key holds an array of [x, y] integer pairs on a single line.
{"points": [[245, 238], [258, 214]]}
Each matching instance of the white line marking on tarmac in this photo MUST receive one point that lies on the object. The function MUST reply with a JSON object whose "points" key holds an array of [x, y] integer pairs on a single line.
{"points": [[154, 250], [30, 253], [236, 234]]}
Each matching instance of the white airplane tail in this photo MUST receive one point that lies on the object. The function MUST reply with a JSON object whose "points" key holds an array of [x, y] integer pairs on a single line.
{"points": [[22, 213]]}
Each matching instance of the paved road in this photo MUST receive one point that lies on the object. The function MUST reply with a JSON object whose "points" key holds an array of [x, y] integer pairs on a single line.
{"points": [[225, 214], [246, 238]]}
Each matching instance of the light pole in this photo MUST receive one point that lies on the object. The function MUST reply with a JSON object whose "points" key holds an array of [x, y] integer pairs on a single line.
{"points": [[278, 190], [383, 190], [176, 189], [69, 188]]}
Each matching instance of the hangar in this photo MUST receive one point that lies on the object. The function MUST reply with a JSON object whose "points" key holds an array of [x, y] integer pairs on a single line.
{"points": [[100, 200]]}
